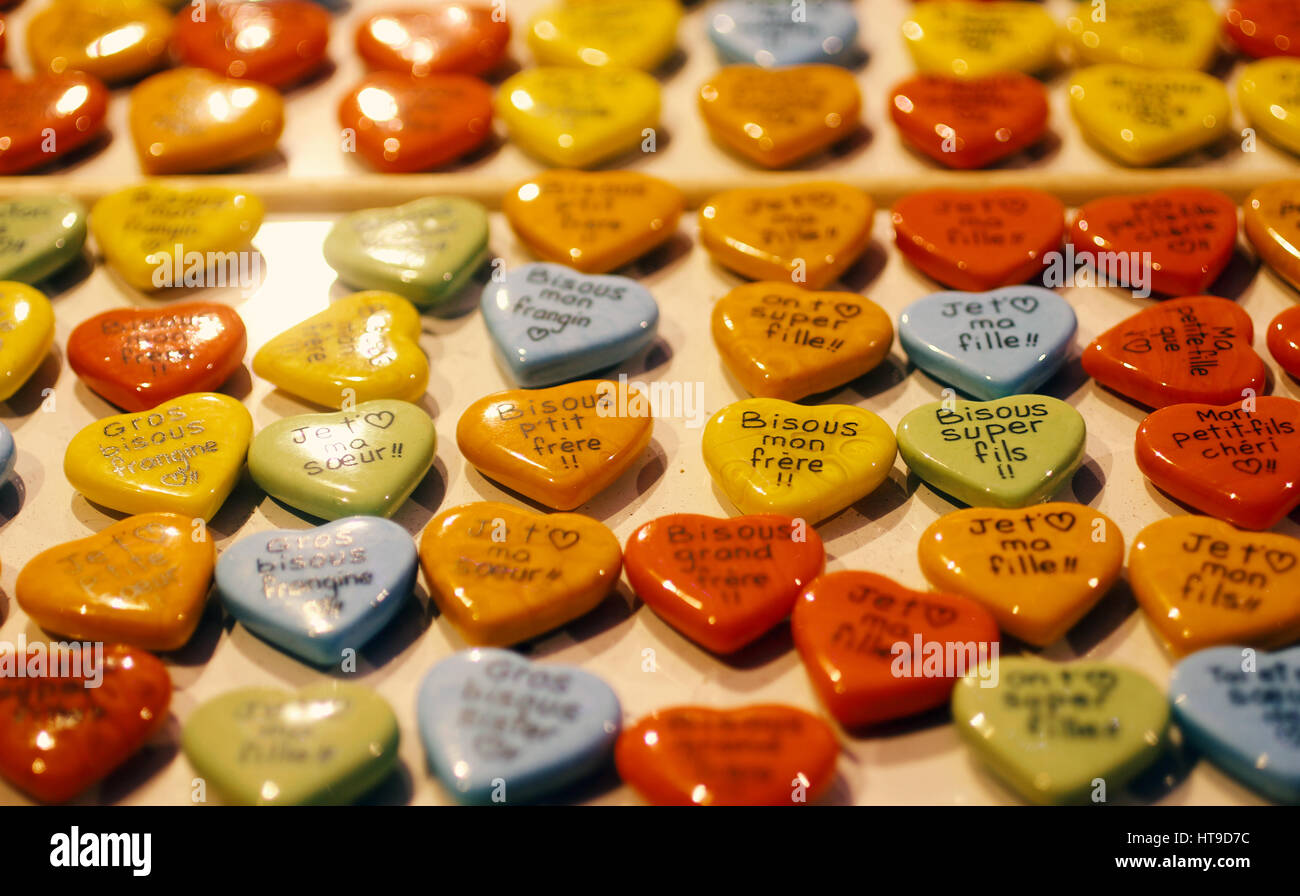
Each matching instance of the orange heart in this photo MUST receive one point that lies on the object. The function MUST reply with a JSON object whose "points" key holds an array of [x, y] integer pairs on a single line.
{"points": [[137, 359], [776, 117], [404, 123], [58, 736], [869, 645], [593, 221], [807, 234], [1192, 349], [143, 581], [979, 239], [560, 446], [70, 105], [1283, 340], [722, 582], [1238, 462], [1189, 231], [970, 122], [763, 755]]}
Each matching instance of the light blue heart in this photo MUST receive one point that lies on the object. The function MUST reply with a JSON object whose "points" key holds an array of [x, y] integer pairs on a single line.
{"points": [[552, 324], [766, 32], [8, 454], [314, 592], [1247, 723], [499, 728], [992, 344]]}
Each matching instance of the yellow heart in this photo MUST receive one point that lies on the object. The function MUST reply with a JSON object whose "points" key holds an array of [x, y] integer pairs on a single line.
{"points": [[1271, 219], [778, 116], [623, 33], [1145, 117], [26, 334], [970, 40], [1149, 33], [361, 348], [143, 581], [151, 230], [502, 575], [560, 446], [183, 456], [1269, 93], [772, 456], [188, 120], [784, 342], [114, 40], [579, 117], [593, 221], [1202, 583], [807, 234], [1037, 569]]}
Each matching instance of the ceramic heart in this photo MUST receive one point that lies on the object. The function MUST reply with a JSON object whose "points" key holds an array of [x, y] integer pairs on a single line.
{"points": [[773, 456], [47, 117], [502, 575], [764, 33], [498, 728], [1237, 462], [1194, 349], [317, 593], [593, 221], [1038, 572], [27, 325], [426, 250], [403, 123], [550, 323], [970, 122], [1202, 583], [761, 755], [516, 438], [1057, 732], [990, 345], [362, 462], [1237, 707], [326, 744], [869, 645], [979, 239], [362, 348], [136, 359], [143, 581], [1010, 452], [722, 583], [39, 236], [63, 732]]}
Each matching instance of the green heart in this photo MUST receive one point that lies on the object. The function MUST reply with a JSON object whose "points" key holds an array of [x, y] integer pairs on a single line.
{"points": [[39, 236], [1012, 452], [1051, 730], [426, 250], [364, 462], [325, 745]]}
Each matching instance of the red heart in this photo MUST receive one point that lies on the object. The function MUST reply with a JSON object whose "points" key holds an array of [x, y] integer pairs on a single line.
{"points": [[1238, 464], [48, 116], [468, 38], [1284, 340], [851, 629], [1189, 231], [970, 122], [1264, 27], [722, 582], [404, 123], [58, 736], [979, 239], [139, 359], [276, 42], [1191, 349]]}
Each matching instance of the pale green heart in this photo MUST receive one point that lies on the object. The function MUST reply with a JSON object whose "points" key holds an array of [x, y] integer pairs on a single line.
{"points": [[425, 250], [324, 745], [1055, 731], [363, 462], [1012, 452], [39, 236]]}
